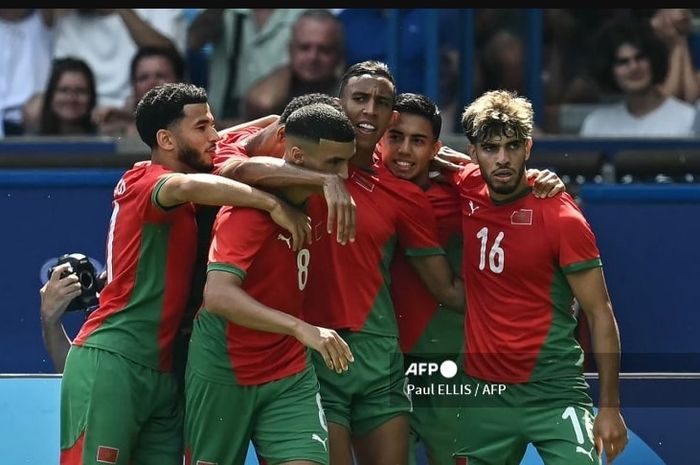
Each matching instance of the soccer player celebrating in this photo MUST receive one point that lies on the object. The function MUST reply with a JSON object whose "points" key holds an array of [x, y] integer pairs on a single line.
{"points": [[119, 397], [248, 375], [428, 331], [367, 407], [524, 262]]}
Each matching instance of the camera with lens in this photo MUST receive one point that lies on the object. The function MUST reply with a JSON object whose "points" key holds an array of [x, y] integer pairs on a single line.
{"points": [[90, 284]]}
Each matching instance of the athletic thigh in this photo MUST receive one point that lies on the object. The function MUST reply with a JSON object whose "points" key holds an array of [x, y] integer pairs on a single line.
{"points": [[103, 406], [290, 422], [218, 420]]}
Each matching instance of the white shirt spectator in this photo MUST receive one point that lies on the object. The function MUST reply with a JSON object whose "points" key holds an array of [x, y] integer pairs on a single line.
{"points": [[674, 118], [105, 43], [25, 63]]}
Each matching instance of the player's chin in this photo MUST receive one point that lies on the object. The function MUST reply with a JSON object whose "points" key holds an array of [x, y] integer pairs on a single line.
{"points": [[503, 188]]}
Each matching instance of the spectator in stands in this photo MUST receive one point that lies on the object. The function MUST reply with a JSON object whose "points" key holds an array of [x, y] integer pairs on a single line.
{"points": [[150, 67], [248, 43], [316, 61], [25, 62], [631, 60], [673, 26], [108, 39], [65, 107]]}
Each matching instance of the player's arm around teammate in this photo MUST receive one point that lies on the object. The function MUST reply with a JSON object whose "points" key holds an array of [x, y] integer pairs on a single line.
{"points": [[609, 429], [266, 169], [209, 189]]}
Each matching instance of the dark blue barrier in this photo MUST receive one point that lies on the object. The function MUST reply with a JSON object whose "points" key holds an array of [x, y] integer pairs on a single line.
{"points": [[648, 236], [45, 213], [59, 146]]}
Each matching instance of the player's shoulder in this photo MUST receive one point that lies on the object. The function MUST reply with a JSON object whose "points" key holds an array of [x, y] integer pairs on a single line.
{"points": [[562, 206], [243, 220], [233, 139], [144, 172], [469, 177]]}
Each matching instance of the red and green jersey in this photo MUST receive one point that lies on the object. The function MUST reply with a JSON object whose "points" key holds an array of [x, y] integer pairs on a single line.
{"points": [[231, 146], [349, 284], [247, 243], [520, 323], [426, 327], [150, 256]]}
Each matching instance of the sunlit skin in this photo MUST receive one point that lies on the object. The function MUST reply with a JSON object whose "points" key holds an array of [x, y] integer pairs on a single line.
{"points": [[368, 101], [632, 70], [314, 51], [327, 156], [408, 147], [71, 101], [193, 137], [502, 160], [152, 71]]}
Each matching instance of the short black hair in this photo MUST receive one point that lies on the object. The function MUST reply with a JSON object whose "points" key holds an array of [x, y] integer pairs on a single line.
{"points": [[169, 53], [371, 67], [635, 32], [420, 105], [308, 99], [320, 121], [162, 106]]}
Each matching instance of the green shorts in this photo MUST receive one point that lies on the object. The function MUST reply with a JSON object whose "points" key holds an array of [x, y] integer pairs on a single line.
{"points": [[556, 416], [115, 411], [283, 418], [435, 421], [372, 391]]}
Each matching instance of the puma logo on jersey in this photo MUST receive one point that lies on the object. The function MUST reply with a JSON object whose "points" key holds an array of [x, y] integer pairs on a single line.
{"points": [[287, 240], [316, 437], [472, 207], [583, 451]]}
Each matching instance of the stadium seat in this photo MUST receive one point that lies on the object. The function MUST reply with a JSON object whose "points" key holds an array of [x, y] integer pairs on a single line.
{"points": [[574, 168], [659, 166]]}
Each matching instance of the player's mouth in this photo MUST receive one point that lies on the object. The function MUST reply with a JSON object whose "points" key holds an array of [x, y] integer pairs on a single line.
{"points": [[503, 175], [366, 128], [402, 166]]}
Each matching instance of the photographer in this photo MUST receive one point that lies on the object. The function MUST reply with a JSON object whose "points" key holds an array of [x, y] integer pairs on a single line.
{"points": [[72, 285], [56, 294]]}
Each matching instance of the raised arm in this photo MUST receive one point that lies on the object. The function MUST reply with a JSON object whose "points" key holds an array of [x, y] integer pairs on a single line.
{"points": [[143, 33], [609, 429]]}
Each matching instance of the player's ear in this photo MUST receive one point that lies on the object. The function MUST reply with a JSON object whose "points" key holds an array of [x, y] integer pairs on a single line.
{"points": [[437, 145], [394, 117], [528, 147], [280, 134], [164, 139], [296, 155]]}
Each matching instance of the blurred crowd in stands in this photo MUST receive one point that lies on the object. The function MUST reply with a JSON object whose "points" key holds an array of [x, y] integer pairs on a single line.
{"points": [[75, 72]]}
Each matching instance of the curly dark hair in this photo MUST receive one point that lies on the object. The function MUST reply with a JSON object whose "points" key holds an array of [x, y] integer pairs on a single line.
{"points": [[633, 31]]}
